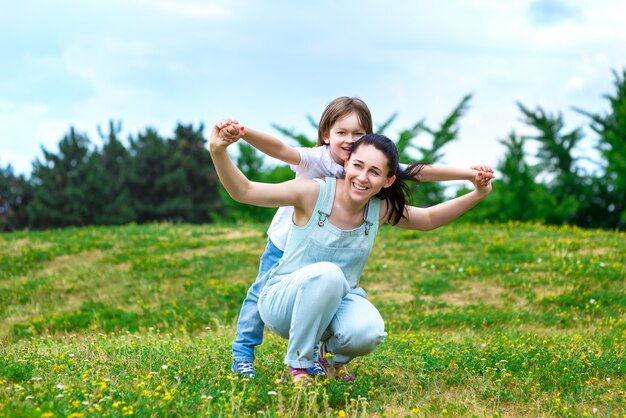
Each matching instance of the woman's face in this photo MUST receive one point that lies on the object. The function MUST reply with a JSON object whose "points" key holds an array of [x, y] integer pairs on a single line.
{"points": [[367, 172]]}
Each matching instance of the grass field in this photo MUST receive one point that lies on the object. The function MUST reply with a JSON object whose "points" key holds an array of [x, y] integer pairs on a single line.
{"points": [[483, 320]]}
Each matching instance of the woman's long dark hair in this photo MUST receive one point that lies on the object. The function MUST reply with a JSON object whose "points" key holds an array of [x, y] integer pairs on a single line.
{"points": [[398, 195]]}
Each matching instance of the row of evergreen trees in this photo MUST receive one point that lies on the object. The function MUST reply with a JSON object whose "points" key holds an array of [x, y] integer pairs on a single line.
{"points": [[173, 179], [154, 179]]}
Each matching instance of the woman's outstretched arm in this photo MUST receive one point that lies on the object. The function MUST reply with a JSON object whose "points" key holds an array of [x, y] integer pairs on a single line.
{"points": [[296, 193], [426, 219]]}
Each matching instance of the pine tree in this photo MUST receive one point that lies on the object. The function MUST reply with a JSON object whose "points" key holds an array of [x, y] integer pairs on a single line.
{"points": [[114, 164], [557, 163], [519, 195], [15, 195], [428, 194], [150, 180], [59, 190], [611, 128], [173, 179], [198, 195]]}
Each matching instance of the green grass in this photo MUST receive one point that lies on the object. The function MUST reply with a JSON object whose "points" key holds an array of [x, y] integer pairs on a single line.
{"points": [[483, 320]]}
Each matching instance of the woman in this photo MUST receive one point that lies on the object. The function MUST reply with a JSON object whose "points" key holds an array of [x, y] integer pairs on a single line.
{"points": [[313, 293]]}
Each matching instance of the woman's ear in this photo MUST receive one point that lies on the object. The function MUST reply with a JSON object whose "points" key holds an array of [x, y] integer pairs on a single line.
{"points": [[390, 181]]}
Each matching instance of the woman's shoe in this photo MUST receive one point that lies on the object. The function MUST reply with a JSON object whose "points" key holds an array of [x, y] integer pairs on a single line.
{"points": [[323, 361], [339, 371], [299, 376]]}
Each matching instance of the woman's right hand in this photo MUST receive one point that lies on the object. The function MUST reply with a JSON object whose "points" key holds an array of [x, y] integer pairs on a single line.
{"points": [[217, 142], [482, 182]]}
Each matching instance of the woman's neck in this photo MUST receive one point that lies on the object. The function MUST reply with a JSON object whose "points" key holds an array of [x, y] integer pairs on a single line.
{"points": [[346, 213]]}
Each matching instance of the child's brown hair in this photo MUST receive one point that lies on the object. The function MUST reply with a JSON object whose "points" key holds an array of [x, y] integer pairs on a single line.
{"points": [[339, 108]]}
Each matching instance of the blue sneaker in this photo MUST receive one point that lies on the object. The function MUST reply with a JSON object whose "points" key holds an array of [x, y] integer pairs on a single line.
{"points": [[244, 367], [316, 370]]}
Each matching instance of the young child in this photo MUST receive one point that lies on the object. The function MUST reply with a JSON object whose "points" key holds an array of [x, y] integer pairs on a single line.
{"points": [[345, 120]]}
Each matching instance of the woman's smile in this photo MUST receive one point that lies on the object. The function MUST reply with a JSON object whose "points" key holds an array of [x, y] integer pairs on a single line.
{"points": [[362, 188]]}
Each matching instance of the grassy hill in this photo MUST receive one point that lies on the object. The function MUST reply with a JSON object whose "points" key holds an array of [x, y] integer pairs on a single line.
{"points": [[483, 320]]}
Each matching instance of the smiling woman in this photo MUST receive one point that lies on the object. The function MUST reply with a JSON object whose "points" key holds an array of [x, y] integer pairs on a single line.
{"points": [[313, 294]]}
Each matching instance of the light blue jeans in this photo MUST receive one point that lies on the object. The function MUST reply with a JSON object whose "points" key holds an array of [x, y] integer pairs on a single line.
{"points": [[316, 302], [250, 325]]}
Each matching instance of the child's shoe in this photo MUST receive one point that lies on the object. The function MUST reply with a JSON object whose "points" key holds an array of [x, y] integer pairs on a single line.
{"points": [[244, 367]]}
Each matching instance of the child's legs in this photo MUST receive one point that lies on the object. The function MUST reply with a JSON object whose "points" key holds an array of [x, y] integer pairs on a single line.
{"points": [[249, 325], [356, 329], [300, 307]]}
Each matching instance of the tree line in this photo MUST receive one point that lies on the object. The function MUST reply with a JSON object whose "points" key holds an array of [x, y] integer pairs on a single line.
{"points": [[154, 178]]}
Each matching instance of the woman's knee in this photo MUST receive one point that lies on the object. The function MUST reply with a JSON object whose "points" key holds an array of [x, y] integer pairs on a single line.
{"points": [[362, 338], [328, 269], [368, 338], [330, 277]]}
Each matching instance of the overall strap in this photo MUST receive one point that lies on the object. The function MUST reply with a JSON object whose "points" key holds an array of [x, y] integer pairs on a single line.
{"points": [[369, 216], [327, 205]]}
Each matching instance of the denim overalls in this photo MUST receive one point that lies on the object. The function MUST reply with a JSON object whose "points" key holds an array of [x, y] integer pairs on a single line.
{"points": [[312, 294]]}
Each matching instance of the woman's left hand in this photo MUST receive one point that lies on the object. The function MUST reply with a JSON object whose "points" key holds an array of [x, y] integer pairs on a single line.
{"points": [[482, 182]]}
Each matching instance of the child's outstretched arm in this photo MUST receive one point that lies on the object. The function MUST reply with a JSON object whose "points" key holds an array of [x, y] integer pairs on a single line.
{"points": [[231, 130], [443, 173]]}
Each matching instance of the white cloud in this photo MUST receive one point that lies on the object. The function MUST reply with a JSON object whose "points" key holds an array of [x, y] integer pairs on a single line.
{"points": [[193, 9], [549, 12], [21, 123], [575, 83], [153, 63]]}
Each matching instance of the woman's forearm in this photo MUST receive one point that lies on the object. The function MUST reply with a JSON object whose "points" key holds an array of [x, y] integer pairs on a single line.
{"points": [[243, 190], [450, 210], [233, 180]]}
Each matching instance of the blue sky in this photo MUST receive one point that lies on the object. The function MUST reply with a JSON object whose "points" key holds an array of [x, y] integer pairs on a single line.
{"points": [[154, 63]]}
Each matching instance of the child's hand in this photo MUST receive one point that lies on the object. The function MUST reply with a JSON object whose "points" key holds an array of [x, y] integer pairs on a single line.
{"points": [[486, 170], [230, 131]]}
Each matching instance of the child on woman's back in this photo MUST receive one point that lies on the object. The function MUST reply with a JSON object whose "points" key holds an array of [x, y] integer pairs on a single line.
{"points": [[344, 120]]}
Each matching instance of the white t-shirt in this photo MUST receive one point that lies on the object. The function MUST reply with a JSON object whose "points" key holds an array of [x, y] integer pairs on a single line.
{"points": [[315, 162]]}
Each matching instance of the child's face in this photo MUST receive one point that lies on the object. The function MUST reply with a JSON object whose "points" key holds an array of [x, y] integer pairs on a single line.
{"points": [[342, 135]]}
